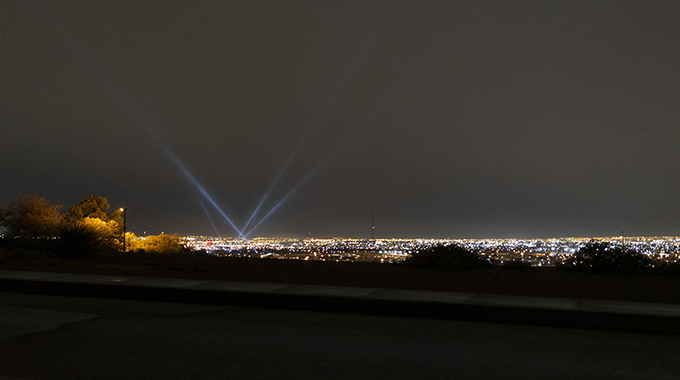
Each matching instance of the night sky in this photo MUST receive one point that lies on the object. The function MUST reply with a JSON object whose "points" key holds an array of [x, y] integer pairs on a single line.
{"points": [[443, 118]]}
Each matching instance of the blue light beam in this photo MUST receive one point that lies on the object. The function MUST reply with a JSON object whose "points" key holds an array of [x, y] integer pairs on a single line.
{"points": [[309, 175], [208, 215], [130, 108], [379, 104], [361, 53]]}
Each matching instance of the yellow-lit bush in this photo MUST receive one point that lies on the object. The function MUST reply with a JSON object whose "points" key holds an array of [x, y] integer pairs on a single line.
{"points": [[156, 243]]}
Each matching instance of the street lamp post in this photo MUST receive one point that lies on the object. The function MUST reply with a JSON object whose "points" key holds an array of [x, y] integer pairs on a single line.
{"points": [[124, 211]]}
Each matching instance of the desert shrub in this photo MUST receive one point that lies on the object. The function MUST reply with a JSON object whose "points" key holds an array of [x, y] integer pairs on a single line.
{"points": [[667, 268], [605, 258], [158, 244], [4, 256], [22, 248], [82, 239], [445, 257], [516, 265], [20, 253]]}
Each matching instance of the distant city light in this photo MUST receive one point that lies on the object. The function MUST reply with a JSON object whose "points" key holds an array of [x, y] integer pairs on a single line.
{"points": [[533, 252]]}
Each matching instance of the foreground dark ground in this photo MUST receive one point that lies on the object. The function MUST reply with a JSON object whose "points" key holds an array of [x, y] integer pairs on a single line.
{"points": [[546, 282], [55, 337]]}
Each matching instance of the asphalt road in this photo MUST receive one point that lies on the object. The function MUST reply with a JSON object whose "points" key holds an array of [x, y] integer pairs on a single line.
{"points": [[50, 337]]}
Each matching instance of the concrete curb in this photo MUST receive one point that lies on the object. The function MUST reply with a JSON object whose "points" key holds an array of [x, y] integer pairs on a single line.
{"points": [[489, 308]]}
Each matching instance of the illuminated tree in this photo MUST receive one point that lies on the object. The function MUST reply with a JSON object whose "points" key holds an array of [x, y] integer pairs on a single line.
{"points": [[31, 217], [131, 241], [94, 206], [90, 221]]}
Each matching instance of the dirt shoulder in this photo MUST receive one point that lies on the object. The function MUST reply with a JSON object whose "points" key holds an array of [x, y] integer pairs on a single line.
{"points": [[545, 282]]}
